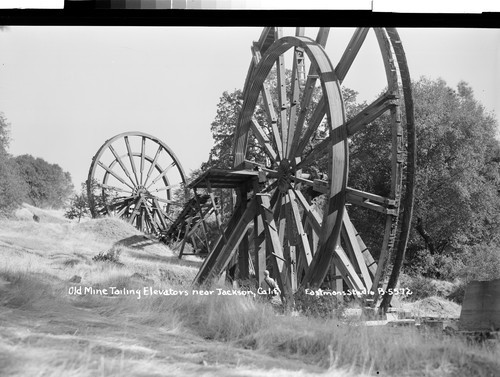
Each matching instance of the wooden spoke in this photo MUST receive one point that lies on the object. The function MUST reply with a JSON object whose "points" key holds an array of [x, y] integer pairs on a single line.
{"points": [[375, 202], [282, 103], [166, 188], [312, 215], [123, 200], [351, 241], [114, 174], [315, 121], [120, 162], [143, 154], [386, 102], [350, 53], [162, 174], [263, 140], [153, 164], [269, 108], [322, 36], [131, 158], [298, 67], [302, 236], [114, 188], [136, 211]]}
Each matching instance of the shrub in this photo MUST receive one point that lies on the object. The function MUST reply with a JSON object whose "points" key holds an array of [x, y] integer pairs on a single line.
{"points": [[112, 256]]}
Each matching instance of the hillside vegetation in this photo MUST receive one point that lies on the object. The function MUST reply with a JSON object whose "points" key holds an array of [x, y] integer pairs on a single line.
{"points": [[48, 329]]}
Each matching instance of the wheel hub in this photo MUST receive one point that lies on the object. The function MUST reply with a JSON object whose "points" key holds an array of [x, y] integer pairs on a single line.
{"points": [[141, 191], [285, 172]]}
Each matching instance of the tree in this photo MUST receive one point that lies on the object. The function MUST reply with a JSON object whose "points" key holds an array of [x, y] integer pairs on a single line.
{"points": [[12, 187], [457, 202], [48, 185], [79, 207]]}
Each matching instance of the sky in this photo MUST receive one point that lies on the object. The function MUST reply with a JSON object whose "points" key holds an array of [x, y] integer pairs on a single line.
{"points": [[65, 90]]}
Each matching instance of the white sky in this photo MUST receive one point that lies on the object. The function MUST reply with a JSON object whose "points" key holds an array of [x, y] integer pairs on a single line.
{"points": [[66, 90]]}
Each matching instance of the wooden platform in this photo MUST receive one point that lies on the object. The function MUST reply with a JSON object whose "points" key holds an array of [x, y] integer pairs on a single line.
{"points": [[219, 178]]}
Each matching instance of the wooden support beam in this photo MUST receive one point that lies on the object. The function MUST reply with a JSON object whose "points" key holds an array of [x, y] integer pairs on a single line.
{"points": [[259, 249], [350, 53], [220, 256], [303, 243], [269, 106], [204, 226], [352, 242], [273, 242], [386, 102], [186, 235], [263, 139]]}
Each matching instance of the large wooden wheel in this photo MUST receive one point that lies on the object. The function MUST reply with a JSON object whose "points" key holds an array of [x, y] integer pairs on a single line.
{"points": [[134, 175], [294, 127]]}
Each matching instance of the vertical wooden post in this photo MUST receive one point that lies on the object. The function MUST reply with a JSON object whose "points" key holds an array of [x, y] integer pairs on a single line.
{"points": [[204, 226], [186, 235], [260, 249], [243, 247]]}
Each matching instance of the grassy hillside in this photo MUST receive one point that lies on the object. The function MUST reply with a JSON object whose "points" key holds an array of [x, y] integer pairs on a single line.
{"points": [[66, 312]]}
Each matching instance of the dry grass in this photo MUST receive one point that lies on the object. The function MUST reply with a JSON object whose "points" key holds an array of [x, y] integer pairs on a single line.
{"points": [[45, 331]]}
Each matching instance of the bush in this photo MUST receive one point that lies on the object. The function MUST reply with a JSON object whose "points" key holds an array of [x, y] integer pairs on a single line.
{"points": [[111, 256], [482, 262]]}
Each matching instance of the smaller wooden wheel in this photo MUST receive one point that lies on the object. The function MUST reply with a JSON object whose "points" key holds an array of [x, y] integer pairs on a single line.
{"points": [[134, 176]]}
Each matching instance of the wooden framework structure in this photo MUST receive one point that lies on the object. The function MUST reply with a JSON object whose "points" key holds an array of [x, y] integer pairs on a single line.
{"points": [[135, 175], [277, 151]]}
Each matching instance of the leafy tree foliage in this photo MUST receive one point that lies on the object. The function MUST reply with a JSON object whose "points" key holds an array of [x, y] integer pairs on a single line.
{"points": [[12, 188], [47, 184], [457, 198], [78, 207]]}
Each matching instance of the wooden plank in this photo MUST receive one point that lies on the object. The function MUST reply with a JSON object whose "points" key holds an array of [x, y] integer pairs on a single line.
{"points": [[352, 240], [113, 174], [229, 249], [382, 104], [189, 220], [350, 53], [243, 255], [304, 241], [282, 98], [273, 239], [322, 36], [298, 63], [259, 249], [315, 120], [204, 226], [263, 139], [366, 203], [312, 215], [120, 162], [203, 274], [346, 269], [269, 107]]}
